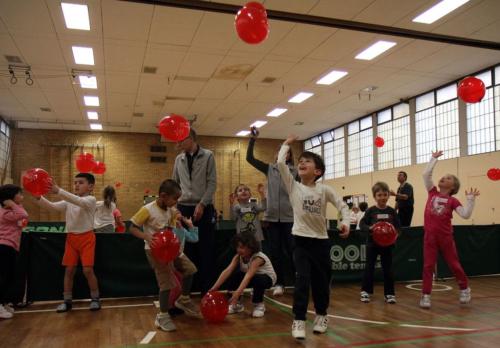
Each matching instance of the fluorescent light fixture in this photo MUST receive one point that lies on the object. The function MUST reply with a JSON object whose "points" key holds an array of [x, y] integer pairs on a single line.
{"points": [[96, 126], [439, 10], [91, 100], [258, 124], [243, 133], [300, 97], [277, 112], [376, 49], [92, 115], [331, 77], [76, 16], [88, 81], [83, 55]]}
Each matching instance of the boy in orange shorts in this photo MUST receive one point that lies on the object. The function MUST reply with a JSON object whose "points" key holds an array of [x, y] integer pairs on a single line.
{"points": [[80, 241]]}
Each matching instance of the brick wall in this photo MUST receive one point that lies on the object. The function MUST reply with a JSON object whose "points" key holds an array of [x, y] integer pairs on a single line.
{"points": [[127, 158]]}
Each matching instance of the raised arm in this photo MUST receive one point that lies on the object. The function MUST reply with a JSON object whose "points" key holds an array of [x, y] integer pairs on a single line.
{"points": [[466, 212], [286, 176], [15, 213], [257, 164], [427, 174]]}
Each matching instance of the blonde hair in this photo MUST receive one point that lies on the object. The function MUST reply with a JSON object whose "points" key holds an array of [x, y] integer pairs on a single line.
{"points": [[456, 187]]}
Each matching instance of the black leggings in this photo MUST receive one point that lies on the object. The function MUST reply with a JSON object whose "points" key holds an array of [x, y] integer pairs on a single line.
{"points": [[8, 256], [259, 283]]}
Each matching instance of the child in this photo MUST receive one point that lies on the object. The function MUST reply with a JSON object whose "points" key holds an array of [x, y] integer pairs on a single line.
{"points": [[104, 220], [184, 265], [379, 212], [153, 217], [355, 217], [248, 268], [80, 240], [312, 245], [438, 231], [246, 212], [13, 218]]}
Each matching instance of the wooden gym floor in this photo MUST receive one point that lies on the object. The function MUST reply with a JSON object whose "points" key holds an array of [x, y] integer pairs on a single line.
{"points": [[127, 323]]}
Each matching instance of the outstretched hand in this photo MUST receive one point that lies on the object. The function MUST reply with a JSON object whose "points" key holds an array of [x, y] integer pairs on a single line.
{"points": [[473, 191], [437, 154], [290, 139]]}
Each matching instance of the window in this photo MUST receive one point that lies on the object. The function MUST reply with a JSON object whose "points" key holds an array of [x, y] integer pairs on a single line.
{"points": [[396, 134], [328, 158], [333, 152], [447, 129], [316, 150], [4, 147], [360, 146]]}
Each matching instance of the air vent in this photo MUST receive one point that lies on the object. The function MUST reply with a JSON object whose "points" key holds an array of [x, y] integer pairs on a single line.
{"points": [[159, 103], [13, 59], [46, 109], [157, 148], [268, 79], [191, 78], [180, 98], [233, 72], [158, 159], [149, 69], [298, 123], [138, 114]]}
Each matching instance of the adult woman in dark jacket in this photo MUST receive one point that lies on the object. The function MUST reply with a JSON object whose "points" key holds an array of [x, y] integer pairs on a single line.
{"points": [[278, 215]]}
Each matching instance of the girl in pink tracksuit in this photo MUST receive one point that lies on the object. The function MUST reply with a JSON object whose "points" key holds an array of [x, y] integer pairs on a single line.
{"points": [[438, 231]]}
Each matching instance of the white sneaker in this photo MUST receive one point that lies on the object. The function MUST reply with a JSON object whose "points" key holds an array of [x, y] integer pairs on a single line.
{"points": [[5, 314], [237, 308], [390, 299], [164, 322], [425, 301], [320, 324], [9, 308], [365, 297], [278, 290], [299, 329], [258, 310], [465, 296]]}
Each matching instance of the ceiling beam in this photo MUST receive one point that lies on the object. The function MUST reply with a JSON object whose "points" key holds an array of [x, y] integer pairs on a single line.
{"points": [[327, 22]]}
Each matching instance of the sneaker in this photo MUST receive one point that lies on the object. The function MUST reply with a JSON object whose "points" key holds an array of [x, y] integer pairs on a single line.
{"points": [[425, 301], [258, 310], [64, 307], [390, 299], [95, 304], [9, 308], [236, 308], [365, 297], [465, 296], [4, 313], [164, 322], [185, 303], [299, 329], [278, 290], [320, 324]]}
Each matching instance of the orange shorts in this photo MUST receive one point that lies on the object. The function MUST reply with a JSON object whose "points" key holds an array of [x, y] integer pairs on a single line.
{"points": [[79, 246]]}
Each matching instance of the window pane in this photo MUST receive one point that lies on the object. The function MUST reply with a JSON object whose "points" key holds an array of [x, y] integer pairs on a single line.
{"points": [[401, 110], [366, 123], [425, 101], [338, 158], [316, 150], [384, 116], [353, 127], [497, 114], [366, 150], [338, 133], [425, 126], [497, 76], [307, 144], [447, 129], [354, 154], [327, 136], [316, 141], [446, 93], [481, 125], [328, 158], [385, 153], [486, 78]]}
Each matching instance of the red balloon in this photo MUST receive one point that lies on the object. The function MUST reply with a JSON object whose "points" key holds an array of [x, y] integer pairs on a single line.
{"points": [[37, 181], [120, 228], [471, 89], [493, 174], [165, 246], [256, 5], [174, 127], [384, 233], [85, 162], [118, 184], [175, 292], [99, 168], [379, 142], [251, 25], [214, 307]]}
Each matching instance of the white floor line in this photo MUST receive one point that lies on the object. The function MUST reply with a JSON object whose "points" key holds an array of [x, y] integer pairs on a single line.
{"points": [[83, 308], [333, 316], [437, 327], [149, 336]]}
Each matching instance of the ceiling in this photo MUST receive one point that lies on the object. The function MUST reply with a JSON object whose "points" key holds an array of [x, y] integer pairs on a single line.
{"points": [[204, 70]]}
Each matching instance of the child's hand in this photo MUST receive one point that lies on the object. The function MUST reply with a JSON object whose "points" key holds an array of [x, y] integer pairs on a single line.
{"points": [[188, 222], [473, 192], [232, 198], [9, 203], [53, 188], [437, 154], [234, 299], [261, 190], [254, 132], [290, 139], [344, 231]]}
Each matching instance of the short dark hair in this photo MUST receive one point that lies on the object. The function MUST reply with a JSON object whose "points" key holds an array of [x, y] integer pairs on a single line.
{"points": [[363, 206], [318, 162], [246, 239], [90, 178], [170, 187], [9, 191], [404, 173], [380, 186]]}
